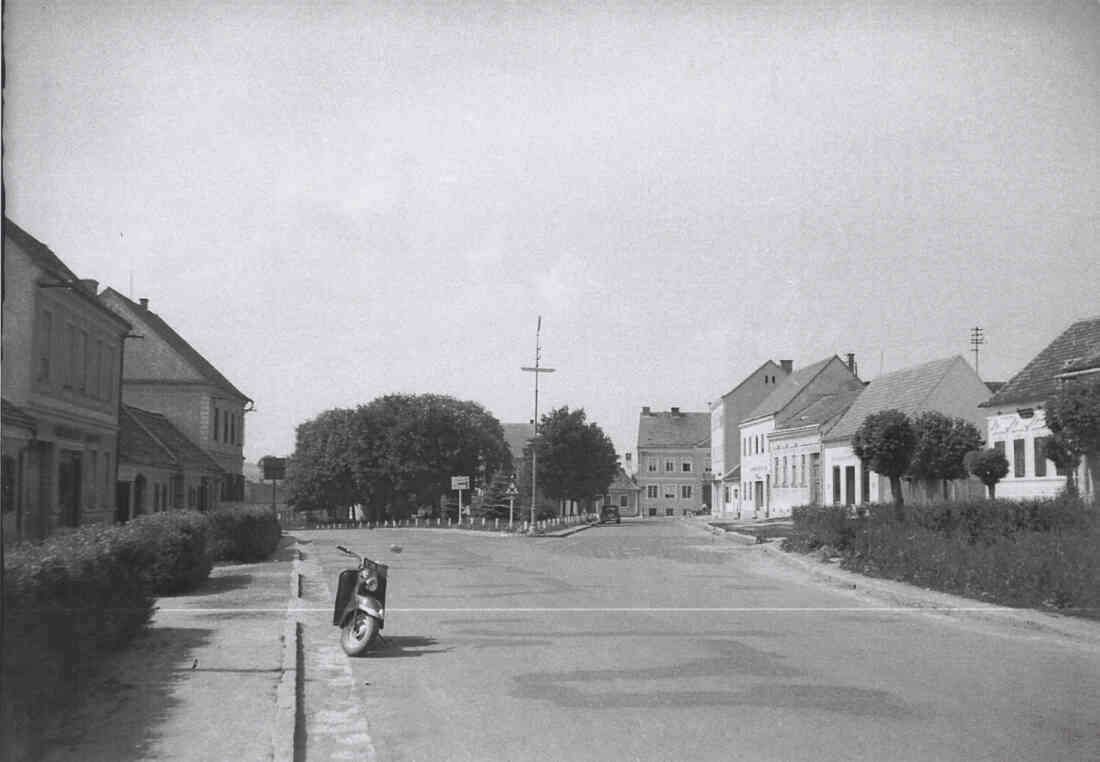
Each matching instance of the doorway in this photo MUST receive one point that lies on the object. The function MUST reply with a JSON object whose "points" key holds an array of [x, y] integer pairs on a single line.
{"points": [[138, 505], [68, 487], [122, 502]]}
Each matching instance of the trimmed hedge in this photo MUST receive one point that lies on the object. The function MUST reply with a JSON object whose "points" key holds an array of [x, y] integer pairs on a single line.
{"points": [[246, 533], [1036, 553], [176, 550]]}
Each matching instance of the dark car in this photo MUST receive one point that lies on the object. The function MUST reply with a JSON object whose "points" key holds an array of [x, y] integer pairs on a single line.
{"points": [[610, 515]]}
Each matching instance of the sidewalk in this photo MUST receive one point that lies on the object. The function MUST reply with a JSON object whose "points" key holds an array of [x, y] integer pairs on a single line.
{"points": [[202, 683]]}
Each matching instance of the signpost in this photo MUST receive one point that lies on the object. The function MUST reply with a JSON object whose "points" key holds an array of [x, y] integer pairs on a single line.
{"points": [[511, 492], [460, 483], [274, 469]]}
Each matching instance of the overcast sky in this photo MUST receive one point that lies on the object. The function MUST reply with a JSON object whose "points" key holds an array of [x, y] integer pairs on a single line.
{"points": [[334, 201]]}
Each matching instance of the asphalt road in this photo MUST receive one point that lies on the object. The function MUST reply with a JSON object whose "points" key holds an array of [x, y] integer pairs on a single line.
{"points": [[657, 641]]}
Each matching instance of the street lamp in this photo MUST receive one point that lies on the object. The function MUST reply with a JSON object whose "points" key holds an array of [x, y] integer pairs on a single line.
{"points": [[534, 457]]}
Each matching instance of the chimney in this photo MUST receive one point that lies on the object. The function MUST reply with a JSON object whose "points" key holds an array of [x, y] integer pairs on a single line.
{"points": [[645, 410], [787, 365], [91, 285], [675, 411], [852, 363], [144, 303]]}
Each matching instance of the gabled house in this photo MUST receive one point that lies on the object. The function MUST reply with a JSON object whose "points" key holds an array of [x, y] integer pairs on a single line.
{"points": [[673, 462], [1016, 420], [796, 447], [760, 467], [725, 435], [163, 373], [62, 354], [949, 386], [623, 494], [159, 468]]}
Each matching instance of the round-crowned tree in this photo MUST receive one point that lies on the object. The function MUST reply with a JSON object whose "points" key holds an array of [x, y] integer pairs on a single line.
{"points": [[885, 442], [990, 466]]}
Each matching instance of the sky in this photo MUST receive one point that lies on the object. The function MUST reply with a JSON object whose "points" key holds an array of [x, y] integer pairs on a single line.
{"points": [[336, 201]]}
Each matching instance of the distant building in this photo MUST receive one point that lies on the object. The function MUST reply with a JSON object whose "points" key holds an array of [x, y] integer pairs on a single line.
{"points": [[725, 434], [949, 386], [517, 436], [62, 352], [763, 469], [1016, 420], [164, 374], [673, 462], [623, 494], [160, 469]]}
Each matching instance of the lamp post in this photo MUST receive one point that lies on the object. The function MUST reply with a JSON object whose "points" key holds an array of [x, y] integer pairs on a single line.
{"points": [[534, 456]]}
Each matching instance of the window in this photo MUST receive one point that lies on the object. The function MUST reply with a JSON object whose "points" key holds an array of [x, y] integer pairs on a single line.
{"points": [[670, 512], [95, 360], [685, 492], [233, 428], [836, 484], [651, 465], [670, 465], [225, 426], [785, 482], [865, 483], [623, 501], [108, 477], [109, 374], [726, 494], [1018, 464], [651, 491], [1041, 456], [775, 474], [685, 466], [670, 491], [7, 484], [93, 481], [68, 355], [45, 338], [803, 470], [217, 423]]}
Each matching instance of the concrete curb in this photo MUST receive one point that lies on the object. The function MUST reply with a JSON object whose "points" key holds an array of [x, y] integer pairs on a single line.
{"points": [[288, 709], [1082, 631]]}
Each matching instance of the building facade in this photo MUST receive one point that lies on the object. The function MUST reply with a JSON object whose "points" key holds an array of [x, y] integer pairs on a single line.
{"points": [[673, 463], [762, 467], [623, 494], [165, 374], [62, 354], [1016, 419], [725, 441], [949, 386]]}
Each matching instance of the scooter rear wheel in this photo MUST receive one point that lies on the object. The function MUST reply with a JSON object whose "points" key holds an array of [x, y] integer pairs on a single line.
{"points": [[358, 633]]}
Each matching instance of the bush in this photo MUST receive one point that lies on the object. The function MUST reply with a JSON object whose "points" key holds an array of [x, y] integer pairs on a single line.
{"points": [[815, 526], [244, 533], [177, 549], [65, 600]]}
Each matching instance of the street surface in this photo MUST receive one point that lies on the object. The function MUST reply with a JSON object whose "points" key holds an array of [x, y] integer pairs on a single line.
{"points": [[657, 641]]}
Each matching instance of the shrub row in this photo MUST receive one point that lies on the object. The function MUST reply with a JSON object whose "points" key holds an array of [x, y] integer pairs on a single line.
{"points": [[91, 590], [1028, 553]]}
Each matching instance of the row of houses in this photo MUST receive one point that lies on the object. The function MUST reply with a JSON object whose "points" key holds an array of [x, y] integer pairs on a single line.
{"points": [[783, 436], [108, 413]]}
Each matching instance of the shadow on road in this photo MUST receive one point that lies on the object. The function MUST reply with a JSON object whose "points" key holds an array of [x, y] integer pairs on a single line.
{"points": [[407, 646]]}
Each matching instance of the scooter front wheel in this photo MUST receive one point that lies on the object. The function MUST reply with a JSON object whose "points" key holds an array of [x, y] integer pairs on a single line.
{"points": [[358, 633]]}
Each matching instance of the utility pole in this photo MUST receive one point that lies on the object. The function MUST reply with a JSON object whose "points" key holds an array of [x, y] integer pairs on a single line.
{"points": [[977, 338], [534, 456]]}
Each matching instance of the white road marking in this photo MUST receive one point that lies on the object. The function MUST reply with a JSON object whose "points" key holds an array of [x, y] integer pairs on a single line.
{"points": [[631, 609]]}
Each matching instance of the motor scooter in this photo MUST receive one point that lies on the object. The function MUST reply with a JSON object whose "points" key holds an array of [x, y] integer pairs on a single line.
{"points": [[360, 609]]}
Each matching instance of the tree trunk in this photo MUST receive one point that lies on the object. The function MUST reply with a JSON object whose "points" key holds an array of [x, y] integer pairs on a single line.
{"points": [[899, 501], [992, 490]]}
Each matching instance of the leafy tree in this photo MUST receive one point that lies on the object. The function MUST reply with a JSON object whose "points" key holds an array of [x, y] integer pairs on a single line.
{"points": [[1073, 417], [941, 446], [494, 503], [885, 442], [576, 460], [319, 474], [990, 466]]}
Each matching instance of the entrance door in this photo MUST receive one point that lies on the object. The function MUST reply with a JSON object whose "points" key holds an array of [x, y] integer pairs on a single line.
{"points": [[68, 487], [122, 502]]}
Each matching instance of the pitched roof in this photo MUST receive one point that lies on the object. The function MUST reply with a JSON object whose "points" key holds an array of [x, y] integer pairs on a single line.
{"points": [[516, 435], [674, 429], [179, 344], [905, 390], [746, 379], [1038, 380], [151, 439], [789, 388], [825, 411], [1087, 363], [44, 258], [623, 482], [14, 415]]}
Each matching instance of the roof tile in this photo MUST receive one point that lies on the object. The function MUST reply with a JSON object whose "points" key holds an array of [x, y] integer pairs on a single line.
{"points": [[1076, 346]]}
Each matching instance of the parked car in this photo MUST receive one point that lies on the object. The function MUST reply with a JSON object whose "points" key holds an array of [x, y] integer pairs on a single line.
{"points": [[609, 514]]}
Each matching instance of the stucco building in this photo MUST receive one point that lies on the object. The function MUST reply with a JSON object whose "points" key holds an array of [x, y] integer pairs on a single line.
{"points": [[725, 434], [62, 352], [761, 467], [1016, 419], [949, 386], [673, 462], [164, 374]]}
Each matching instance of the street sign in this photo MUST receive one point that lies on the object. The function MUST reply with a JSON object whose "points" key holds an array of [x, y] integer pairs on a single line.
{"points": [[274, 468], [460, 482], [512, 490]]}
